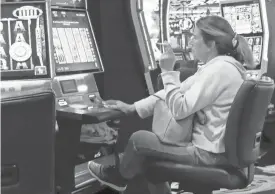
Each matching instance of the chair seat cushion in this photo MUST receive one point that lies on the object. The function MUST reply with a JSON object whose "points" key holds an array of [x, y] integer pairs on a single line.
{"points": [[209, 176]]}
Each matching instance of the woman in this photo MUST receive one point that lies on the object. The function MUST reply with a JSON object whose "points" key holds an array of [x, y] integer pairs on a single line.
{"points": [[211, 90]]}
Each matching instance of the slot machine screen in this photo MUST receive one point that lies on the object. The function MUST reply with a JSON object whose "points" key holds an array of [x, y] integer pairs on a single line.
{"points": [[69, 3], [68, 86], [245, 18], [23, 41], [182, 16], [74, 46]]}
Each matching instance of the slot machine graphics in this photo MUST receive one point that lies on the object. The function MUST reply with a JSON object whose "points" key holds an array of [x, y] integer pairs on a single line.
{"points": [[25, 62], [249, 19], [85, 124], [177, 20], [26, 77]]}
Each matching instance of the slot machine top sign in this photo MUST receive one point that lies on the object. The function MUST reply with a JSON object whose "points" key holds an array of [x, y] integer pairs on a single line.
{"points": [[23, 44]]}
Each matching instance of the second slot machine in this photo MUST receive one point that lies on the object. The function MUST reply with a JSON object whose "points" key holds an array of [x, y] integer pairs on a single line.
{"points": [[84, 131]]}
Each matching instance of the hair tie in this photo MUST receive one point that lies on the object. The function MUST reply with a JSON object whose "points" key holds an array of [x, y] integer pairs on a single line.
{"points": [[235, 41]]}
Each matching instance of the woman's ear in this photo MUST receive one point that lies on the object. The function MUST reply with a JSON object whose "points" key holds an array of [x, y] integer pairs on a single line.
{"points": [[212, 44]]}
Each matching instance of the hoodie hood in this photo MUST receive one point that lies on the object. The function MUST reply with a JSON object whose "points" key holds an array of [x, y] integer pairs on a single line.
{"points": [[232, 61]]}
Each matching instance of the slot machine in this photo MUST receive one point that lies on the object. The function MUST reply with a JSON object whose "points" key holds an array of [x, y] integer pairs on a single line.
{"points": [[25, 60], [177, 20], [145, 18], [249, 19], [83, 133], [179, 16], [26, 76], [151, 18]]}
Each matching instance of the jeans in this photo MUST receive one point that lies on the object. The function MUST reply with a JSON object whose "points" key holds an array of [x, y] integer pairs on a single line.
{"points": [[143, 145]]}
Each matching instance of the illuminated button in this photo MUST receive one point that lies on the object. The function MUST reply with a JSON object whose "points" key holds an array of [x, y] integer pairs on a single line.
{"points": [[62, 102], [97, 155], [90, 107], [82, 88], [92, 96], [254, 76]]}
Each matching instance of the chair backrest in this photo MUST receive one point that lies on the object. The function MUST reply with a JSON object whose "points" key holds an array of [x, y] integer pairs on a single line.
{"points": [[246, 120], [27, 142]]}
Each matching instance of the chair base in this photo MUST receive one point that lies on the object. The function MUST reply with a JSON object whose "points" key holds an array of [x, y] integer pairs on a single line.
{"points": [[196, 189], [198, 192], [203, 192]]}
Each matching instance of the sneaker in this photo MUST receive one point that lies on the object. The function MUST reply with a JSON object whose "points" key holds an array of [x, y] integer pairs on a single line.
{"points": [[107, 175]]}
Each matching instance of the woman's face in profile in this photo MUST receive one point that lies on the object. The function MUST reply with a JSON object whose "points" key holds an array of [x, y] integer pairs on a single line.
{"points": [[199, 49]]}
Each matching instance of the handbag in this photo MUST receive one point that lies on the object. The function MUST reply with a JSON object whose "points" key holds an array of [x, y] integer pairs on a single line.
{"points": [[169, 130]]}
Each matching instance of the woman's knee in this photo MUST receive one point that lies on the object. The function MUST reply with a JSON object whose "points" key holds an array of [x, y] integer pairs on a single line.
{"points": [[144, 139], [142, 136]]}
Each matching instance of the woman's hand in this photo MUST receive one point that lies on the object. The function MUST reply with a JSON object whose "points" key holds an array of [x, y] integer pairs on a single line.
{"points": [[201, 118], [167, 59], [119, 105]]}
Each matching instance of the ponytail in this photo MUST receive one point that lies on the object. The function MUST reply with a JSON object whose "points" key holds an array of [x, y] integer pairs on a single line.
{"points": [[218, 29], [243, 53]]}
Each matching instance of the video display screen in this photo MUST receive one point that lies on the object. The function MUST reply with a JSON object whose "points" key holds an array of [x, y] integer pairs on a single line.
{"points": [[244, 18], [74, 46], [23, 41], [255, 43], [69, 3], [68, 86], [182, 16]]}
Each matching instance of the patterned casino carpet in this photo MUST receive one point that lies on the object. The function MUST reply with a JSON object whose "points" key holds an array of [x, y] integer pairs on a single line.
{"points": [[264, 183]]}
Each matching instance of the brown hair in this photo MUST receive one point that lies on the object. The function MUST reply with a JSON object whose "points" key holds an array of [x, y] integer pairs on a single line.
{"points": [[218, 29]]}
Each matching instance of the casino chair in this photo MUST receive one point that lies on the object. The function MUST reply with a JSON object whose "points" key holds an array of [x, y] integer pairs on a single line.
{"points": [[27, 142], [242, 145]]}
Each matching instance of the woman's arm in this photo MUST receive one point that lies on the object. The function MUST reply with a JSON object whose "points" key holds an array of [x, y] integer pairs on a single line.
{"points": [[200, 94], [145, 107]]}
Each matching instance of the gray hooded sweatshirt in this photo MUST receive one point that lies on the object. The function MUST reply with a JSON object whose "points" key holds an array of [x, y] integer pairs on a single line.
{"points": [[211, 90]]}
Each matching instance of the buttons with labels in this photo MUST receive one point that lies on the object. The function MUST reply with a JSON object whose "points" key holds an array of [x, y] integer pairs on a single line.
{"points": [[62, 102], [90, 107], [97, 155], [92, 96]]}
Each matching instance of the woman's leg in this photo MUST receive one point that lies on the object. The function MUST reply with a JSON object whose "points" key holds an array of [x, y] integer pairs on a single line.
{"points": [[160, 188], [144, 144], [141, 145]]}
